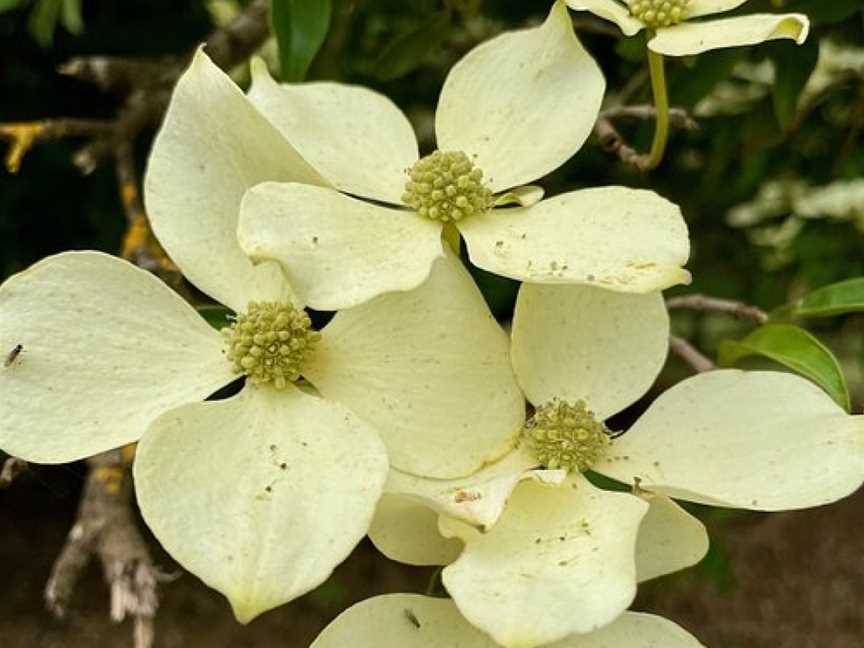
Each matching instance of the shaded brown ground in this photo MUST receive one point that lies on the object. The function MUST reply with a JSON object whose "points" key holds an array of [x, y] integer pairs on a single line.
{"points": [[796, 582]]}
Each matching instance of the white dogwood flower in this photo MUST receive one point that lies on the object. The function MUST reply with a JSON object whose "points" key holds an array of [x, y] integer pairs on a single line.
{"points": [[512, 110], [676, 29], [535, 556], [414, 621]]}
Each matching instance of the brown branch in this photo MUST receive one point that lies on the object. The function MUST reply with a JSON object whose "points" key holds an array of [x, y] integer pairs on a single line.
{"points": [[239, 39], [714, 304], [613, 142], [22, 136], [12, 467], [690, 354], [678, 117]]}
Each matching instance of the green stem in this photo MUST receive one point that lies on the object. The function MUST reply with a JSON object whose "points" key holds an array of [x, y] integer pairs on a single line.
{"points": [[451, 235], [661, 107]]}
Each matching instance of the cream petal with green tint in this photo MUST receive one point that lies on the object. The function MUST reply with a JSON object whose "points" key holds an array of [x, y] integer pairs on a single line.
{"points": [[765, 441], [694, 37], [670, 539], [610, 10], [696, 8], [337, 251], [261, 495], [106, 347], [559, 561], [406, 531], [430, 370], [212, 147], [479, 498], [627, 240], [521, 104], [415, 621], [524, 196], [586, 343], [355, 137]]}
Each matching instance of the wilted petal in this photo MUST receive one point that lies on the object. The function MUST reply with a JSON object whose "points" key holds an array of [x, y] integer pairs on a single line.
{"points": [[628, 240], [355, 137], [336, 251], [559, 561], [688, 38], [764, 440], [430, 370], [523, 103], [610, 10], [586, 343], [406, 531], [106, 347], [212, 147], [670, 539], [262, 495]]}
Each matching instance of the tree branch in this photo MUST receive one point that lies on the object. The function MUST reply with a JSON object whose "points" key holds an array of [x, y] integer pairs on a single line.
{"points": [[12, 467], [732, 307], [690, 354]]}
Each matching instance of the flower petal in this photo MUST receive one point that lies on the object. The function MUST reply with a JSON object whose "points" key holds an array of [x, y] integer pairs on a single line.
{"points": [[355, 137], [705, 7], [586, 343], [106, 347], [688, 38], [523, 103], [765, 441], [415, 621], [406, 531], [212, 147], [479, 498], [670, 539], [430, 370], [628, 240], [261, 495], [610, 10], [336, 251], [524, 196], [559, 561]]}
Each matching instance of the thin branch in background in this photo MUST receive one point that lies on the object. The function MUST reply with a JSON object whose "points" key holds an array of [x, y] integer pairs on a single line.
{"points": [[678, 117], [613, 142], [22, 136], [690, 354], [12, 467], [732, 307]]}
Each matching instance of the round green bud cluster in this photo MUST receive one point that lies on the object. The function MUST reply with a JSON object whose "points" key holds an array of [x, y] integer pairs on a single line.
{"points": [[659, 13], [446, 186], [270, 343], [566, 436]]}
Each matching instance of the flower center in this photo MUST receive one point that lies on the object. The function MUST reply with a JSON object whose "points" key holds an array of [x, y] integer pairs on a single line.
{"points": [[270, 343], [446, 186], [566, 436], [659, 13]]}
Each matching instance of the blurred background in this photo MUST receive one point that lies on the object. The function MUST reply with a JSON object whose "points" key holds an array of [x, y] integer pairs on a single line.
{"points": [[771, 182]]}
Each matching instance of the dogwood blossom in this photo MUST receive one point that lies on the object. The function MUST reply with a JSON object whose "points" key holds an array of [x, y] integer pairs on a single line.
{"points": [[541, 556], [674, 32]]}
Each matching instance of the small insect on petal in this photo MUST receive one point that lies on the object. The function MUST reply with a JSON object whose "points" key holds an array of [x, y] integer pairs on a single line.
{"points": [[12, 356]]}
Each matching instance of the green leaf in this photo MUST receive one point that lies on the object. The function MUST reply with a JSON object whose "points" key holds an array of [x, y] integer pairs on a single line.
{"points": [[794, 65], [217, 316], [71, 17], [407, 51], [8, 5], [43, 21], [795, 348], [300, 27], [825, 11], [836, 299]]}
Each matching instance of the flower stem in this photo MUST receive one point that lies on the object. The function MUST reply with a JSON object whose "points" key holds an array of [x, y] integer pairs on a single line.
{"points": [[661, 106], [451, 235]]}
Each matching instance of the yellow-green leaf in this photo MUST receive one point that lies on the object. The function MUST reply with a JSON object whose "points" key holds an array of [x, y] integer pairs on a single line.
{"points": [[300, 27], [836, 299]]}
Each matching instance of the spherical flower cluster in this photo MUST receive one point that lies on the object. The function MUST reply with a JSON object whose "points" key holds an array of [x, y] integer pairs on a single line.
{"points": [[446, 186], [566, 436], [659, 13]]}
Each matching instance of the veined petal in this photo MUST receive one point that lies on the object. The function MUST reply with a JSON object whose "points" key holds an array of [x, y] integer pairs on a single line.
{"points": [[430, 370], [406, 531], [479, 498], [336, 251], [355, 137], [586, 343], [698, 8], [670, 539], [688, 38], [523, 103], [261, 495], [415, 621], [212, 147], [627, 240], [765, 441], [611, 10], [559, 561], [106, 347]]}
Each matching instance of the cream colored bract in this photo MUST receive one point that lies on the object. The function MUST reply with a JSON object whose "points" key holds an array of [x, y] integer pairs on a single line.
{"points": [[760, 440], [679, 31]]}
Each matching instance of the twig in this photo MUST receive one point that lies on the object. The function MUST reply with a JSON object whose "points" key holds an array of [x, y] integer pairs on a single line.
{"points": [[678, 117], [12, 467], [613, 142], [22, 136], [690, 354], [714, 304], [239, 39]]}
